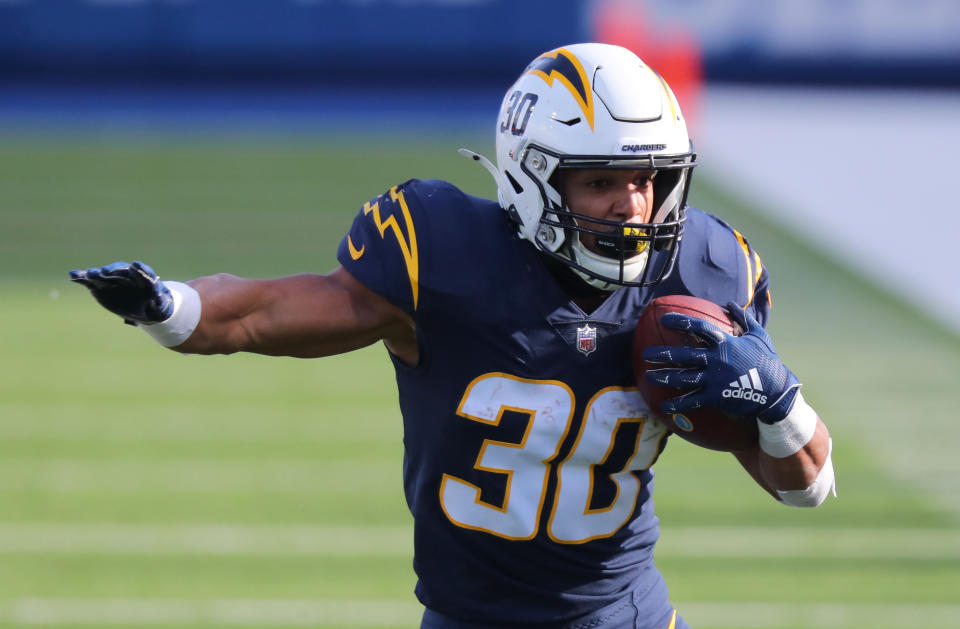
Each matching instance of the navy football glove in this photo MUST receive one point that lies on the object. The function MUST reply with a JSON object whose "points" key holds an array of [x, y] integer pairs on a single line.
{"points": [[739, 375], [132, 291]]}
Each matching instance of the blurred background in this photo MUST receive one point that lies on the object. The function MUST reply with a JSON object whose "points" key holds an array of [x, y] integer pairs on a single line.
{"points": [[143, 488]]}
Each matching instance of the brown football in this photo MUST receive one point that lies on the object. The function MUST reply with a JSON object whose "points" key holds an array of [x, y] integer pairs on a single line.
{"points": [[705, 427]]}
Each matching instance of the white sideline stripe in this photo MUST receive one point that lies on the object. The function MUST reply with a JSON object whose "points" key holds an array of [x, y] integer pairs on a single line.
{"points": [[822, 615], [218, 612], [212, 539], [853, 543], [374, 613], [173, 429], [67, 475], [397, 541]]}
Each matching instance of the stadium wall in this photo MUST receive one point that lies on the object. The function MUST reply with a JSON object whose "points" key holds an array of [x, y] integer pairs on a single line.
{"points": [[470, 41], [450, 41]]}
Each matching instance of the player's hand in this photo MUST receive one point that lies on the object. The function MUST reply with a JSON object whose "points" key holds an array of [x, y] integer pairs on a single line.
{"points": [[132, 291], [739, 375]]}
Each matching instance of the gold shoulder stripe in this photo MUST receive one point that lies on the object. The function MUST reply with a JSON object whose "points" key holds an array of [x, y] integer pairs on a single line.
{"points": [[751, 282], [407, 247], [758, 267]]}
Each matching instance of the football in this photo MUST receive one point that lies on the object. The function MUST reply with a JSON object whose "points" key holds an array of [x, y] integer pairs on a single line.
{"points": [[705, 427]]}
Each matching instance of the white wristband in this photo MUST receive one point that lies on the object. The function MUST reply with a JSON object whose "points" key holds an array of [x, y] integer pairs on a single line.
{"points": [[791, 433], [175, 329], [814, 495]]}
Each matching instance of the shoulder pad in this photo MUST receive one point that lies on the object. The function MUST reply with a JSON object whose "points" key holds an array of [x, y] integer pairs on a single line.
{"points": [[415, 237], [717, 263]]}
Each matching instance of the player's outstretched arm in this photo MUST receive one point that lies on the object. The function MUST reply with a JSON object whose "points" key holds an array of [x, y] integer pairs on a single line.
{"points": [[305, 315], [792, 458]]}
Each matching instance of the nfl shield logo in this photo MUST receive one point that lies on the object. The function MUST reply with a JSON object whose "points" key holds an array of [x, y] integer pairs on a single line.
{"points": [[586, 339]]}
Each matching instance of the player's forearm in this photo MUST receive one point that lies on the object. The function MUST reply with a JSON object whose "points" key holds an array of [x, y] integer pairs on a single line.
{"points": [[792, 460], [228, 312], [305, 316], [794, 457], [799, 470], [275, 317]]}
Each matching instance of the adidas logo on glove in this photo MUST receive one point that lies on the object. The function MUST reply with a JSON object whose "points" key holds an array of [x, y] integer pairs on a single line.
{"points": [[748, 387]]}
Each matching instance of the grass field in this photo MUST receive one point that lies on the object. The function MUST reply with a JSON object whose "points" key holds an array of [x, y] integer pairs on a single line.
{"points": [[142, 488]]}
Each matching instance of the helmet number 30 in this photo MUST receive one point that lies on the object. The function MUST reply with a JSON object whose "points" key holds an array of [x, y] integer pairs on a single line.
{"points": [[518, 112], [614, 427]]}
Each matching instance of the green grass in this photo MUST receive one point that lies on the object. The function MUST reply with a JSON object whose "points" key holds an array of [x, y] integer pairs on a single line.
{"points": [[198, 491]]}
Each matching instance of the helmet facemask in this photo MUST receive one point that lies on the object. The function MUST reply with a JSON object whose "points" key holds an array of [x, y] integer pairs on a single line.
{"points": [[624, 253]]}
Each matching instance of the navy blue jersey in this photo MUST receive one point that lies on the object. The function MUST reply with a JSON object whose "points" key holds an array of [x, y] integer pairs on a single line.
{"points": [[528, 449]]}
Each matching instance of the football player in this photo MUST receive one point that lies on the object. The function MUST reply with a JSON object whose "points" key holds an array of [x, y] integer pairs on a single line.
{"points": [[528, 449]]}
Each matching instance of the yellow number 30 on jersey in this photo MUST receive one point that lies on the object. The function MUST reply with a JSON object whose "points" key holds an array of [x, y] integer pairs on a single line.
{"points": [[550, 404]]}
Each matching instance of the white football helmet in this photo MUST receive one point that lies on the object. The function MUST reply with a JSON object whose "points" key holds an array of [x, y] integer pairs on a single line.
{"points": [[593, 106]]}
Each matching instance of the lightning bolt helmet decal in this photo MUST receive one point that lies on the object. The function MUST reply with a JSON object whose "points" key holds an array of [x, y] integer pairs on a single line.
{"points": [[563, 65]]}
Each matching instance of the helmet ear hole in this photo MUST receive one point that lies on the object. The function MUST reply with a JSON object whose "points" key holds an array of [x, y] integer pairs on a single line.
{"points": [[517, 188]]}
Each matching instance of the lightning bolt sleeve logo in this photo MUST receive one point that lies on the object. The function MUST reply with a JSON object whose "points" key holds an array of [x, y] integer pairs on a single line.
{"points": [[408, 242]]}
